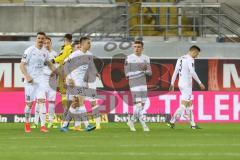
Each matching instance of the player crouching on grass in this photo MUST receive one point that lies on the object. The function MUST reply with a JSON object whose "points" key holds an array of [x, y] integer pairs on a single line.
{"points": [[185, 69]]}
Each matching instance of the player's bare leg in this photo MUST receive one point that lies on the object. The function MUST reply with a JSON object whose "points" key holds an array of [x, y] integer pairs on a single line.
{"points": [[51, 113], [42, 113], [96, 114], [36, 117], [130, 123], [189, 110], [142, 118], [177, 114], [135, 116], [74, 103], [83, 111], [27, 112]]}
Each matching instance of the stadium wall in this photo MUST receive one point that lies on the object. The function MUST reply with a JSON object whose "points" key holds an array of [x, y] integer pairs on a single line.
{"points": [[57, 19], [154, 49]]}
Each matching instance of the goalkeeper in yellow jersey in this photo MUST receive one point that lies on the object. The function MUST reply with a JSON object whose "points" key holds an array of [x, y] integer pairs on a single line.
{"points": [[66, 50]]}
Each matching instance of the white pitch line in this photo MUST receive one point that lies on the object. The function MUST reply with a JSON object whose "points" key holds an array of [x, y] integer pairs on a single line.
{"points": [[129, 146], [179, 145], [76, 153]]}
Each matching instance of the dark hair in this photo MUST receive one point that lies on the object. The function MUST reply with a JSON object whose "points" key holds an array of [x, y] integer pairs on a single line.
{"points": [[76, 42], [68, 37], [49, 39], [194, 47], [83, 39], [41, 33], [139, 42]]}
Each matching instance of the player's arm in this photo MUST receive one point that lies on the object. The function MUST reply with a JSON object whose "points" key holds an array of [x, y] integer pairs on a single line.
{"points": [[100, 66], [24, 61], [194, 74], [147, 69], [67, 72], [126, 67], [51, 66], [67, 67], [24, 72], [174, 76], [93, 70]]}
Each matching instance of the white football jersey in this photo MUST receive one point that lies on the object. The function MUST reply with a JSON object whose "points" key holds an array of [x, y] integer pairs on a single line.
{"points": [[34, 60], [186, 70], [51, 55], [133, 65], [80, 63]]}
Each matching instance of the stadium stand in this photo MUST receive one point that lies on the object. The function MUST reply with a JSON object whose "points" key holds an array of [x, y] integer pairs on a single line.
{"points": [[69, 1], [128, 18]]}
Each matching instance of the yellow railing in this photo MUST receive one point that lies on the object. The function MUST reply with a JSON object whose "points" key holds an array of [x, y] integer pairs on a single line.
{"points": [[154, 20]]}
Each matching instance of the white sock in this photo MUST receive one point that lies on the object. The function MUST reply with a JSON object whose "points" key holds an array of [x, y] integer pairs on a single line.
{"points": [[98, 120], [36, 117], [189, 111], [129, 118], [177, 113], [51, 111], [77, 124], [96, 115], [27, 112], [75, 113], [65, 124], [83, 115], [42, 112], [135, 114], [73, 110], [141, 115]]}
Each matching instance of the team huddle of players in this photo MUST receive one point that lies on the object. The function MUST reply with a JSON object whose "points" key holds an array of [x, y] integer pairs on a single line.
{"points": [[73, 71]]}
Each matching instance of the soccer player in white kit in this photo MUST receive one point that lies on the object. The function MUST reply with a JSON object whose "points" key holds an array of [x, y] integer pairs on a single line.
{"points": [[185, 68], [137, 66], [76, 78], [50, 92], [31, 66]]}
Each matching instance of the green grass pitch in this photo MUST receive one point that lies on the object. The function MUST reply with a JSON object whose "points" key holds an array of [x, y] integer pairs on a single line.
{"points": [[115, 142]]}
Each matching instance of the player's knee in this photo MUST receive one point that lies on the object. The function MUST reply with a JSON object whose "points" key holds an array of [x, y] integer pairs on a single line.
{"points": [[74, 104], [185, 103], [93, 103], [41, 100], [29, 104], [190, 103]]}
